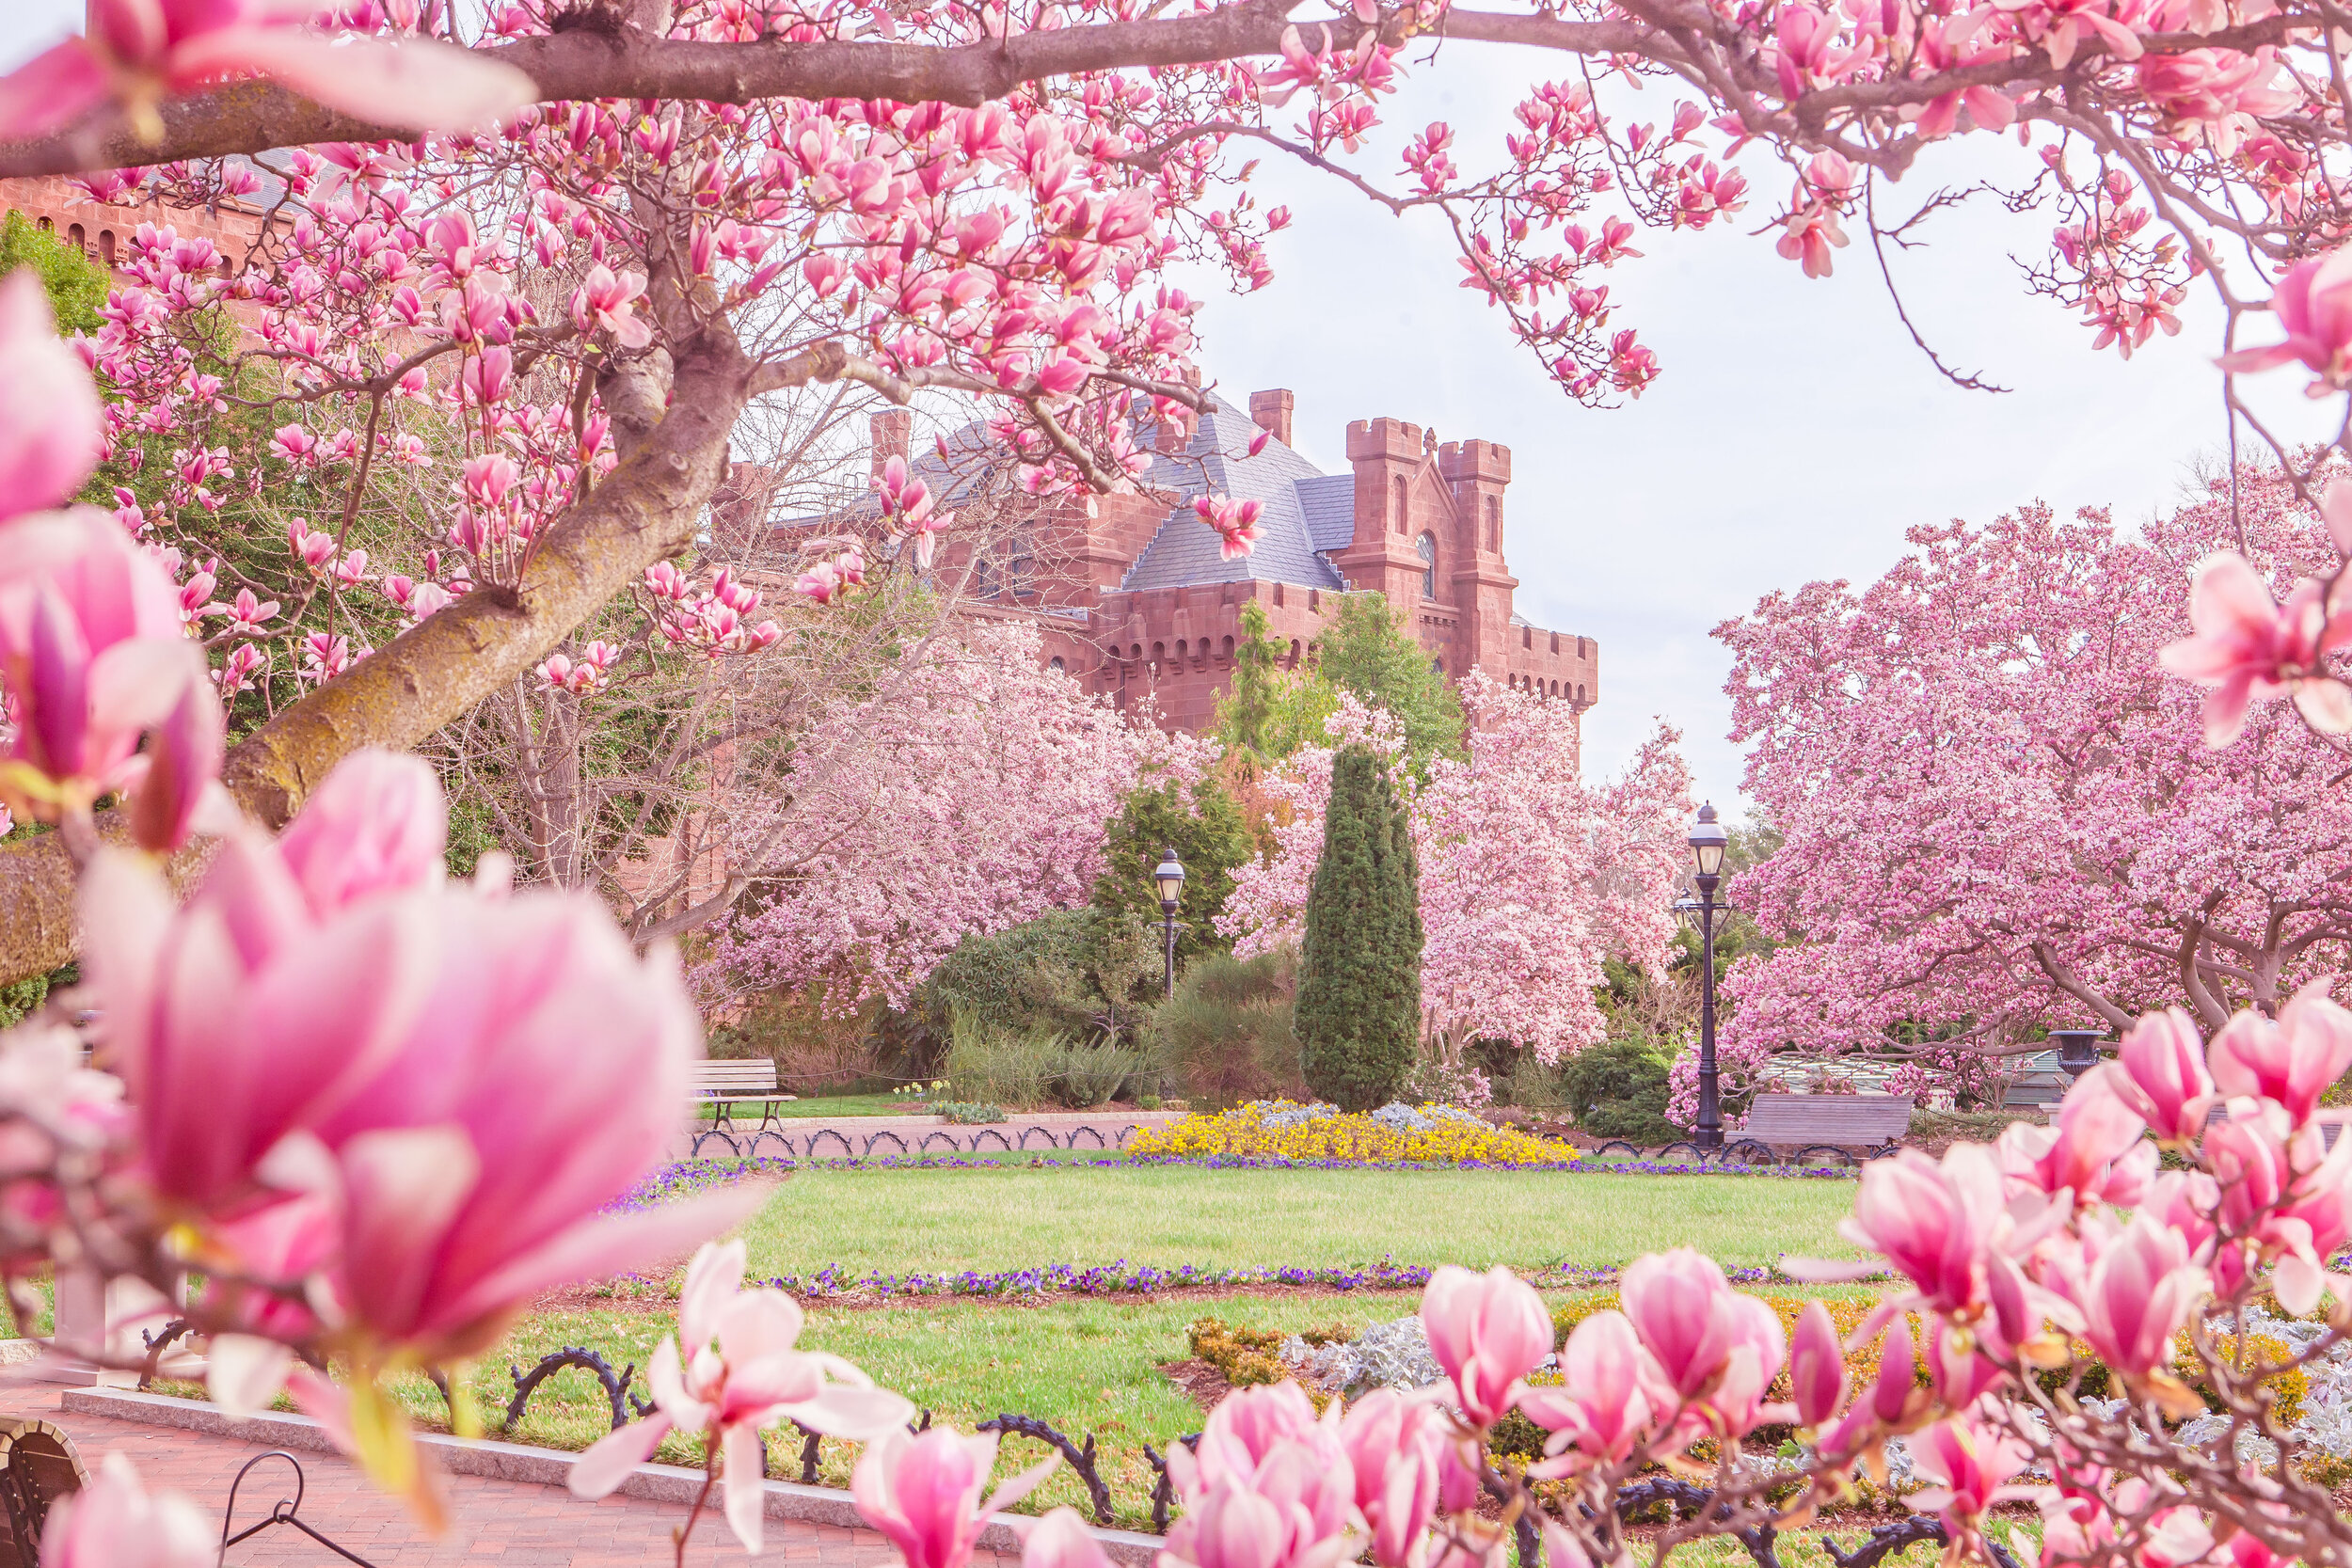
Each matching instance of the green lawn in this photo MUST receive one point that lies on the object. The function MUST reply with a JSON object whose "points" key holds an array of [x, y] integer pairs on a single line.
{"points": [[898, 1221], [831, 1105]]}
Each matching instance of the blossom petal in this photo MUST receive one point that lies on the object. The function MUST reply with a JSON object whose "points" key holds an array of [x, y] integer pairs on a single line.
{"points": [[417, 84], [746, 1487], [609, 1459]]}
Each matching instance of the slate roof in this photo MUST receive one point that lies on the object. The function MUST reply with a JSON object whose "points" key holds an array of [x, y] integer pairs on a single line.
{"points": [[1330, 503], [1294, 493], [1309, 515]]}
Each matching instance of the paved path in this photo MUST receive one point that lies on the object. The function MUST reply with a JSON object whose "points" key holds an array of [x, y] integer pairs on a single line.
{"points": [[491, 1521]]}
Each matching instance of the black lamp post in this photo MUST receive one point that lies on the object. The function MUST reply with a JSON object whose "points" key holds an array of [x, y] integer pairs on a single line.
{"points": [[1707, 843], [2078, 1050], [1171, 880]]}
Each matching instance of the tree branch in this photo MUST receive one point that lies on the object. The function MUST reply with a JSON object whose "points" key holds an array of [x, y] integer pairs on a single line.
{"points": [[438, 670]]}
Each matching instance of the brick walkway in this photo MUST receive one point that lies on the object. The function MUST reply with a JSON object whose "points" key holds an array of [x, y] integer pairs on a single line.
{"points": [[490, 1521]]}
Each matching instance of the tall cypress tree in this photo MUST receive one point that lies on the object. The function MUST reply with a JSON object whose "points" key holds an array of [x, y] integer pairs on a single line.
{"points": [[1358, 1016]]}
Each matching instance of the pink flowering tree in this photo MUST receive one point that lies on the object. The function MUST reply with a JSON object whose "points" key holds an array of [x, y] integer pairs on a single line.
{"points": [[303, 1090], [985, 808], [1528, 878], [2001, 816]]}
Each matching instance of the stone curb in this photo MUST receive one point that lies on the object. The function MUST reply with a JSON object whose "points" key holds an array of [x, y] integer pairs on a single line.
{"points": [[521, 1462]]}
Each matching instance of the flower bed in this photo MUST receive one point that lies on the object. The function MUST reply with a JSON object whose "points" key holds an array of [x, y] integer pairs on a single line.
{"points": [[1122, 1277], [1321, 1134]]}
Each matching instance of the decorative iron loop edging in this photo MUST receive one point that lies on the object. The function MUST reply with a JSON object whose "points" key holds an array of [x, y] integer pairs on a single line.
{"points": [[1081, 1461], [832, 1143], [1760, 1542], [526, 1384]]}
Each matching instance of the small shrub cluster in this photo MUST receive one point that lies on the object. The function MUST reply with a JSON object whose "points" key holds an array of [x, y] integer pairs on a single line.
{"points": [[1226, 1035], [1255, 1356], [1285, 1130], [1006, 1067], [970, 1113], [1619, 1090]]}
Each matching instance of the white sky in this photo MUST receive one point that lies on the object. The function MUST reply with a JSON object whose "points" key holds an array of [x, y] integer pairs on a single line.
{"points": [[1795, 433]]}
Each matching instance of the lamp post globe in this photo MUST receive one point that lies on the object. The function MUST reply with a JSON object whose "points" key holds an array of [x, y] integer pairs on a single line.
{"points": [[1707, 843], [1169, 878]]}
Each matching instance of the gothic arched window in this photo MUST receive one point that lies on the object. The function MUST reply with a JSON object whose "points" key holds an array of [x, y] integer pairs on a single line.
{"points": [[1427, 548]]}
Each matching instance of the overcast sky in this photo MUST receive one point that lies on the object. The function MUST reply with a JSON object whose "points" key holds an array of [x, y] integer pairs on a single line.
{"points": [[1795, 433]]}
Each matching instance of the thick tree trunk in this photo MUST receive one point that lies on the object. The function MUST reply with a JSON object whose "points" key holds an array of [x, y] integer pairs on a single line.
{"points": [[643, 511]]}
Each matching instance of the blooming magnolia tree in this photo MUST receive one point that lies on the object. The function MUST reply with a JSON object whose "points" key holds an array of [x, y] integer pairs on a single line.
{"points": [[984, 806], [1528, 878], [2000, 815], [587, 234]]}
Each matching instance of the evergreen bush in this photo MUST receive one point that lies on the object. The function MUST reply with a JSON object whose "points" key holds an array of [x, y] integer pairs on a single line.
{"points": [[1358, 1012], [1226, 1036], [1619, 1090]]}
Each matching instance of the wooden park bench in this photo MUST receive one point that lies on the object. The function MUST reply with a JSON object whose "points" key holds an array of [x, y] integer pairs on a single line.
{"points": [[1841, 1120], [720, 1084]]}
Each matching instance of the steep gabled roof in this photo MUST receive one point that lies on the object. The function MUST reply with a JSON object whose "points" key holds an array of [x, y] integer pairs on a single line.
{"points": [[1187, 551]]}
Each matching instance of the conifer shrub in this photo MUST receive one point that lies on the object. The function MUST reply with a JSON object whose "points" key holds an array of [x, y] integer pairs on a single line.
{"points": [[1358, 1010]]}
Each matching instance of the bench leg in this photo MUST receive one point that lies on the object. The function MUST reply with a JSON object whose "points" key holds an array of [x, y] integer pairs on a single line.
{"points": [[768, 1116]]}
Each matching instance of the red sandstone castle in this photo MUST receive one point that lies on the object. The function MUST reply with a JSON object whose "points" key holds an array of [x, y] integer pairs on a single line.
{"points": [[1135, 596], [1132, 592]]}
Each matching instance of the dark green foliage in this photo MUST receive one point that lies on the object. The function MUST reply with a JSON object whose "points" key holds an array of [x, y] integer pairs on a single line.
{"points": [[77, 285], [1270, 712], [1619, 1090], [1075, 972], [1210, 839], [1226, 1038], [1358, 1012], [1366, 649], [20, 997]]}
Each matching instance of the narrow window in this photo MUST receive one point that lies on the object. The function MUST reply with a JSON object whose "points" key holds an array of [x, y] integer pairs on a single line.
{"points": [[1400, 505], [1427, 548], [1494, 526]]}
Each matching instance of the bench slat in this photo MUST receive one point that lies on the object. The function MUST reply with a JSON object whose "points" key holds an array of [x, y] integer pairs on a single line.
{"points": [[1828, 1117]]}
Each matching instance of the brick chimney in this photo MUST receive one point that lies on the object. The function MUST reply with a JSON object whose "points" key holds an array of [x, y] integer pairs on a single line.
{"points": [[894, 429], [1173, 432], [1271, 410]]}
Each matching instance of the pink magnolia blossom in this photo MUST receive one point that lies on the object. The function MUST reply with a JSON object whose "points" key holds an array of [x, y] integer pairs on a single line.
{"points": [[1717, 1349], [2095, 1152], [376, 825], [924, 1492], [175, 784], [2209, 85], [92, 657], [1488, 1331], [1968, 1468], [115, 1522], [1934, 1221], [741, 1374], [608, 303], [142, 51], [50, 421], [2250, 649], [2134, 1299], [1816, 1366], [2291, 1061], [1612, 1394], [2313, 301], [2164, 1078], [1059, 1540], [1809, 235], [1392, 1441], [371, 1055]]}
